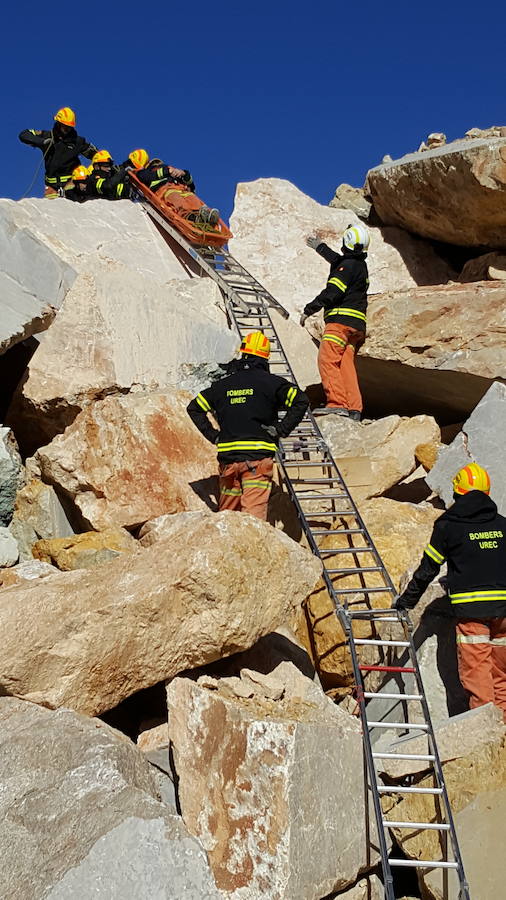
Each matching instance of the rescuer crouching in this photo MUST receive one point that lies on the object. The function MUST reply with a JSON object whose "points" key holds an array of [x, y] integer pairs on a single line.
{"points": [[245, 405]]}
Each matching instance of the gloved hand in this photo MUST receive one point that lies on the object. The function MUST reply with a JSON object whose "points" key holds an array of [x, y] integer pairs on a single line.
{"points": [[400, 604], [313, 242], [302, 320], [272, 431]]}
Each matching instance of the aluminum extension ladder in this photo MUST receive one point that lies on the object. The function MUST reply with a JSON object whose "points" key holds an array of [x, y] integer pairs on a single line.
{"points": [[312, 477]]}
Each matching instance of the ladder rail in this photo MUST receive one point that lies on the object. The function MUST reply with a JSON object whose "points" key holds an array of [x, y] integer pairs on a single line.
{"points": [[248, 306]]}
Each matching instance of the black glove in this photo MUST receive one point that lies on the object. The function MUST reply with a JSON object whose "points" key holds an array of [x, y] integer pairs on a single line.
{"points": [[302, 320], [401, 604], [272, 431]]}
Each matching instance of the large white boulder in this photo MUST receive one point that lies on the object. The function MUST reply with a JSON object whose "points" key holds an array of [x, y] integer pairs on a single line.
{"points": [[81, 815], [92, 637], [270, 222]]}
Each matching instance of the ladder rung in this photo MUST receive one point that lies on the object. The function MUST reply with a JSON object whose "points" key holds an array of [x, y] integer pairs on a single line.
{"points": [[324, 531], [374, 641], [303, 499], [432, 825], [386, 619], [361, 590], [416, 726], [423, 863], [321, 464], [346, 550], [396, 789], [354, 571], [387, 669], [369, 694], [426, 757], [317, 480], [314, 513]]}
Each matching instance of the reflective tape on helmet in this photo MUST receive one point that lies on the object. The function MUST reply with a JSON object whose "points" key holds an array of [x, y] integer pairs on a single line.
{"points": [[477, 596], [202, 402], [338, 283], [246, 445], [344, 311], [434, 554], [335, 340]]}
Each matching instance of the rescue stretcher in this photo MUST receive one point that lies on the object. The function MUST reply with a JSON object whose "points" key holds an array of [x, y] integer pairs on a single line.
{"points": [[197, 234]]}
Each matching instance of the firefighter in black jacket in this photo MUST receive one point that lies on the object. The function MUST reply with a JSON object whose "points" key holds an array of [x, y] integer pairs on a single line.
{"points": [[62, 147], [156, 174], [471, 538], [344, 301], [107, 181], [246, 405]]}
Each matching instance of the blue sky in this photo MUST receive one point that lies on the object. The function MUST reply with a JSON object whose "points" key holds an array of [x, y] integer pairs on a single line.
{"points": [[315, 92]]}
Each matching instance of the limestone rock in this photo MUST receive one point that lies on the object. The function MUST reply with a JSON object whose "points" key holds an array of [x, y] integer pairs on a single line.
{"points": [[400, 531], [108, 831], [476, 783], [26, 571], [11, 474], [251, 771], [90, 638], [154, 738], [351, 199], [491, 266], [481, 440], [427, 454], [38, 515], [131, 458], [9, 550], [458, 737], [272, 244], [442, 345], [454, 193], [102, 343], [84, 551], [389, 445], [368, 888]]}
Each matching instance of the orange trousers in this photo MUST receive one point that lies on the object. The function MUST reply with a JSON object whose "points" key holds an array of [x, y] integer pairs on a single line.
{"points": [[481, 651], [336, 362], [246, 486], [185, 202]]}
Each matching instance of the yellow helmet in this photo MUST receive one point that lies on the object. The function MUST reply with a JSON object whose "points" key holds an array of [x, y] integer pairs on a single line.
{"points": [[471, 478], [256, 344], [80, 173], [139, 158], [101, 156], [66, 116]]}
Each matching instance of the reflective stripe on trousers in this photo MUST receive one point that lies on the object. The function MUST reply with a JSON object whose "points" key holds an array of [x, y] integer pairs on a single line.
{"points": [[336, 362], [481, 651], [246, 486]]}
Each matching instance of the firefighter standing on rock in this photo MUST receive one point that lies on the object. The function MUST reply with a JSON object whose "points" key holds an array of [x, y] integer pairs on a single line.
{"points": [[471, 537], [246, 405], [61, 147]]}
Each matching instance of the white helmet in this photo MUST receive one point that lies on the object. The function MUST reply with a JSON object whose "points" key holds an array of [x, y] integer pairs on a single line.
{"points": [[356, 237]]}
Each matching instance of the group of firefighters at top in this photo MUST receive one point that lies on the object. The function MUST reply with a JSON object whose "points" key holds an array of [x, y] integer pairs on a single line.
{"points": [[470, 537], [65, 175]]}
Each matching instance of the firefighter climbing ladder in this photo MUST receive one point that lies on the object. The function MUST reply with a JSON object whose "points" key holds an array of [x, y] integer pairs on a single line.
{"points": [[327, 512]]}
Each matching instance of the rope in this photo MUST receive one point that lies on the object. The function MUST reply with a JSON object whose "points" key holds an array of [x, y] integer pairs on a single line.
{"points": [[37, 170]]}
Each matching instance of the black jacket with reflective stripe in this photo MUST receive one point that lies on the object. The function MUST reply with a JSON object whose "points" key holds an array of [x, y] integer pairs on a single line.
{"points": [[112, 187], [241, 403], [156, 176], [344, 298], [471, 537], [61, 154]]}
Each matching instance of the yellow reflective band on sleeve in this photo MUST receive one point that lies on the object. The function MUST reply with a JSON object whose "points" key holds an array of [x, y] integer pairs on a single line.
{"points": [[335, 340], [61, 179], [338, 283], [477, 596], [290, 397], [119, 189], [247, 445], [202, 402], [98, 184], [259, 484], [434, 554], [159, 172]]}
